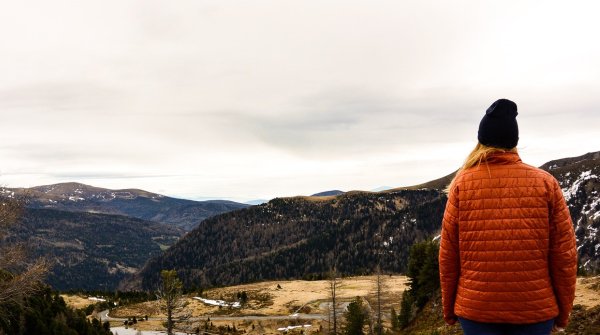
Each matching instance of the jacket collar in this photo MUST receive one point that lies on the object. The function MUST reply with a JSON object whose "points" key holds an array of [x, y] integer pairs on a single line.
{"points": [[503, 158]]}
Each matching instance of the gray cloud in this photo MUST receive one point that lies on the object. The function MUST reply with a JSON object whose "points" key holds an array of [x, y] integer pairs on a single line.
{"points": [[86, 175], [341, 122], [61, 97], [224, 97]]}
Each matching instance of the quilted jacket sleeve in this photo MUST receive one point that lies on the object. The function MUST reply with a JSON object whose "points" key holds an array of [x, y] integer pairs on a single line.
{"points": [[449, 257], [563, 255]]}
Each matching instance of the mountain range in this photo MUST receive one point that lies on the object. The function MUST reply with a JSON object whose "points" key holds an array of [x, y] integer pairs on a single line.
{"points": [[76, 197], [305, 237], [327, 193], [98, 238], [95, 237]]}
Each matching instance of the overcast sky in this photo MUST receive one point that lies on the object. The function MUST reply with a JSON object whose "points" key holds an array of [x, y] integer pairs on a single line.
{"points": [[258, 99]]}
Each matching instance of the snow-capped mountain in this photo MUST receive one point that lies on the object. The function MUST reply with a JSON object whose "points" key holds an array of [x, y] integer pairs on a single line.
{"points": [[579, 178]]}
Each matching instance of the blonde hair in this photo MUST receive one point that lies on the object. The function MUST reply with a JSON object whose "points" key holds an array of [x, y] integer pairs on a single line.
{"points": [[478, 155]]}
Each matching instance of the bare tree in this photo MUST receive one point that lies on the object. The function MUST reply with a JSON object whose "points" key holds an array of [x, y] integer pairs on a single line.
{"points": [[170, 294], [334, 284], [19, 277], [379, 287]]}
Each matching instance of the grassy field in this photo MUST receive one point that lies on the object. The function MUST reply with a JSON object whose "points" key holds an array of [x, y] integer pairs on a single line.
{"points": [[265, 300], [285, 298], [76, 301]]}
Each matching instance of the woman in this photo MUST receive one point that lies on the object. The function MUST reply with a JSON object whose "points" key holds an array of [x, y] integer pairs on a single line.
{"points": [[508, 258]]}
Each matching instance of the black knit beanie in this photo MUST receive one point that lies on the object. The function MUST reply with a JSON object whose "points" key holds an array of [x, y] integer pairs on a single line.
{"points": [[499, 128]]}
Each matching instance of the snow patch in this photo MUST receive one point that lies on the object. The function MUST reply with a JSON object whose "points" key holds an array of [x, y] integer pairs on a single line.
{"points": [[570, 192], [593, 231], [285, 329], [131, 331], [8, 193], [578, 224], [219, 302], [590, 207], [96, 299]]}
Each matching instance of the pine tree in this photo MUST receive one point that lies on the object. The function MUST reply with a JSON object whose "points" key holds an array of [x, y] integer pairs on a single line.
{"points": [[170, 294], [45, 312], [394, 318], [243, 298], [424, 279], [428, 277], [405, 309], [416, 258], [356, 318]]}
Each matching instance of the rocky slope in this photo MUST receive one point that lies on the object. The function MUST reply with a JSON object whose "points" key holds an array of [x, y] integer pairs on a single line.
{"points": [[579, 178], [76, 197]]}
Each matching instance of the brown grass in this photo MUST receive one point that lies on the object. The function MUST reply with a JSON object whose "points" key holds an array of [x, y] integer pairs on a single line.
{"points": [[266, 299], [587, 291], [77, 301], [313, 198], [297, 296], [150, 308]]}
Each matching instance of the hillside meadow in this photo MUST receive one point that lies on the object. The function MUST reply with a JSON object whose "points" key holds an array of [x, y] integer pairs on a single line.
{"points": [[273, 305]]}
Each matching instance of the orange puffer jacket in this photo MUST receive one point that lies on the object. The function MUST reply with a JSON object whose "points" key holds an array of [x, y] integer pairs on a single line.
{"points": [[507, 250]]}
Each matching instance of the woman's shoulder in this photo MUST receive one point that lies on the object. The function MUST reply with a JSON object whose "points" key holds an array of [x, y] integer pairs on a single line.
{"points": [[539, 173], [463, 175], [518, 170]]}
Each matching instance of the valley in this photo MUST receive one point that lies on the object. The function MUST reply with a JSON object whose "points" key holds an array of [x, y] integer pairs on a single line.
{"points": [[94, 237], [275, 305], [271, 305], [278, 253], [355, 230]]}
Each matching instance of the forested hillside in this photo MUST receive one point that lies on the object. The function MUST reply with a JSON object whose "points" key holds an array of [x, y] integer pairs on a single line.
{"points": [[45, 312], [302, 237], [90, 251]]}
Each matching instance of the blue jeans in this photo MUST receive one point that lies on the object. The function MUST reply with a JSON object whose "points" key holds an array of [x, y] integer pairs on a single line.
{"points": [[480, 328]]}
